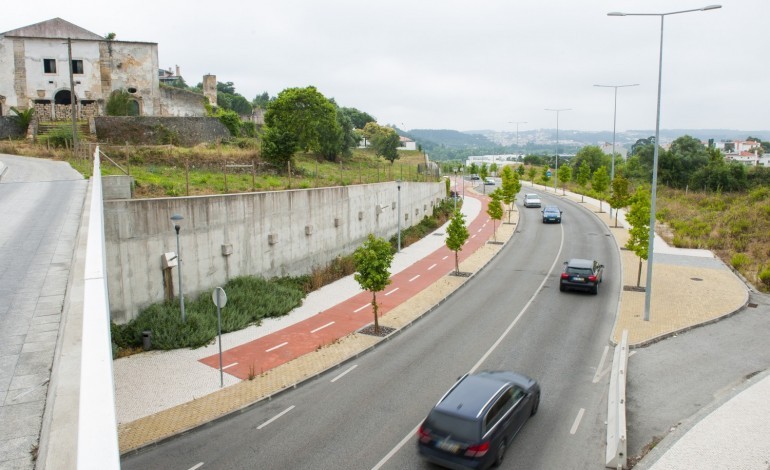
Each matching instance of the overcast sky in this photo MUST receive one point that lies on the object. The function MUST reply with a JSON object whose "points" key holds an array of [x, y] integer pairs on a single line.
{"points": [[448, 64]]}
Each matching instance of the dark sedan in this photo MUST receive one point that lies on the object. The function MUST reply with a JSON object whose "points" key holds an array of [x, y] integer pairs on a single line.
{"points": [[581, 274], [551, 214], [476, 420]]}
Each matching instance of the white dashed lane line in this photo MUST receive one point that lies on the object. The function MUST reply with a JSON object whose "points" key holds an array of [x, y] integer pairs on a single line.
{"points": [[432, 266], [412, 279], [445, 257], [276, 347], [275, 417], [577, 421], [394, 290], [230, 365], [361, 308], [343, 373], [322, 327]]}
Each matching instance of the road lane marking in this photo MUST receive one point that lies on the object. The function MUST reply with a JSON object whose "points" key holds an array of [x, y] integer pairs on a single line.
{"points": [[411, 434], [322, 327], [275, 417], [473, 236], [412, 279], [445, 257], [196, 466], [230, 365], [577, 421], [432, 266], [343, 374], [361, 308], [600, 371], [479, 230], [276, 347], [394, 290]]}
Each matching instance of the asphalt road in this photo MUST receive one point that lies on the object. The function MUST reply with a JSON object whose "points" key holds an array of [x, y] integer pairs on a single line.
{"points": [[510, 316], [40, 207]]}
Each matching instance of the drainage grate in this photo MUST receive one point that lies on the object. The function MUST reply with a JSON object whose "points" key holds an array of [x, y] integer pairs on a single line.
{"points": [[695, 279], [437, 234], [752, 305]]}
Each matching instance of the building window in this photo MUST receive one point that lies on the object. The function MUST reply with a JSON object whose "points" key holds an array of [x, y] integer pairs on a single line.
{"points": [[49, 65], [77, 66]]}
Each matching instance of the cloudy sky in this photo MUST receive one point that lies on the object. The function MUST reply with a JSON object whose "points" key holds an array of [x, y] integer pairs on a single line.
{"points": [[449, 64]]}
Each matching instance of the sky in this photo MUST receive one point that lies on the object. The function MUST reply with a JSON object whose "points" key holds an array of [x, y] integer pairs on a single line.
{"points": [[450, 64]]}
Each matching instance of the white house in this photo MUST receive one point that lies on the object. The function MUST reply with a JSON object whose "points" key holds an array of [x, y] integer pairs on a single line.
{"points": [[35, 70], [406, 143]]}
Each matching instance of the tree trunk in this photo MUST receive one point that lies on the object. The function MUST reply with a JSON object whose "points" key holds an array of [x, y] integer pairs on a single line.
{"points": [[457, 263], [639, 275], [616, 218], [376, 320]]}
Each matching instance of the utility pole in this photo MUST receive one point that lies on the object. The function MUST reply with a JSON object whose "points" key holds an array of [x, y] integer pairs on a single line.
{"points": [[73, 101]]}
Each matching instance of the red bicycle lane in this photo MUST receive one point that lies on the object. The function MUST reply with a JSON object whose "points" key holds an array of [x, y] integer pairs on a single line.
{"points": [[274, 349]]}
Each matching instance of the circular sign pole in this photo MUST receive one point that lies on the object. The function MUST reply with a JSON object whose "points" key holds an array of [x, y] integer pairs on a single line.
{"points": [[220, 300]]}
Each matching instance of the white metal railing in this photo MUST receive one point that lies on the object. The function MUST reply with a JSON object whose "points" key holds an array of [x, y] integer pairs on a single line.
{"points": [[616, 456]]}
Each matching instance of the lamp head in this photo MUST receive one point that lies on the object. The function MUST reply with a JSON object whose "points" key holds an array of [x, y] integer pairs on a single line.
{"points": [[177, 220]]}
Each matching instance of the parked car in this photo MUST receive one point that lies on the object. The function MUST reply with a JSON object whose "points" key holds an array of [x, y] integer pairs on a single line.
{"points": [[531, 200], [489, 181], [581, 274], [476, 420], [475, 177], [551, 214]]}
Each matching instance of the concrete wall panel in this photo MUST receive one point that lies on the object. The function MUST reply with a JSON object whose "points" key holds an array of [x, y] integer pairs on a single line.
{"points": [[270, 234]]}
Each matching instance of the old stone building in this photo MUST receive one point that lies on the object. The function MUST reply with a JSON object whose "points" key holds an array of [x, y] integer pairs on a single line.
{"points": [[35, 70]]}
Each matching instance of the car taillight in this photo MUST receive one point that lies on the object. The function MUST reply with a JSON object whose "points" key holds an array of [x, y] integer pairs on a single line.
{"points": [[564, 276], [423, 434], [592, 278], [477, 450]]}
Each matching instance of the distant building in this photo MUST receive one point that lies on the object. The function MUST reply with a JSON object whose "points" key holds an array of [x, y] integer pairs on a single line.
{"points": [[406, 143]]}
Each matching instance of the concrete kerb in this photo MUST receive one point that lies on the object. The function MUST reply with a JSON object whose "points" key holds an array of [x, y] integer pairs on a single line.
{"points": [[3, 168], [337, 365]]}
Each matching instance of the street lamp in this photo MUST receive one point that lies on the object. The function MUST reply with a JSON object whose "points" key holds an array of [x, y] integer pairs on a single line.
{"points": [[177, 219], [614, 121], [517, 132], [455, 190], [398, 182], [651, 239], [556, 173]]}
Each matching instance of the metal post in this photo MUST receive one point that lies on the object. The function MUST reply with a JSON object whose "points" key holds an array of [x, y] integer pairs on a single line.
{"points": [[556, 174], [219, 330], [398, 182], [176, 218], [73, 101]]}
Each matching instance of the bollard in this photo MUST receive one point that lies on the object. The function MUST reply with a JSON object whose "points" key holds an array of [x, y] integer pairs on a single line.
{"points": [[147, 340]]}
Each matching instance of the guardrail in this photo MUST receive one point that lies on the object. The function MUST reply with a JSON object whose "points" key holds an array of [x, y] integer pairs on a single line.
{"points": [[616, 455]]}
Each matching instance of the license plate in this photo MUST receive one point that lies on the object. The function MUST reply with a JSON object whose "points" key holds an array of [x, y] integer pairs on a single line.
{"points": [[578, 279], [448, 446]]}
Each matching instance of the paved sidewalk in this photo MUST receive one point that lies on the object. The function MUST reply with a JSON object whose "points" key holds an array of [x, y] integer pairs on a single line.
{"points": [[160, 394]]}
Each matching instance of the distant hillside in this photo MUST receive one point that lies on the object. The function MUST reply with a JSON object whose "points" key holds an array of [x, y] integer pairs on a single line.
{"points": [[449, 138]]}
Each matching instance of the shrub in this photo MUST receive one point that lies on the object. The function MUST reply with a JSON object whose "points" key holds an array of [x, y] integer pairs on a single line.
{"points": [[764, 276], [739, 261], [61, 136]]}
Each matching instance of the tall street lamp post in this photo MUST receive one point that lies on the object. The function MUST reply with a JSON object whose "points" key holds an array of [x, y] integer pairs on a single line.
{"points": [[177, 219], [651, 239], [517, 132], [398, 182], [556, 172], [614, 121]]}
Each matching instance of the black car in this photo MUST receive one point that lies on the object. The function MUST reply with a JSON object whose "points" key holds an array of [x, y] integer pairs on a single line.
{"points": [[476, 420], [551, 214], [581, 274]]}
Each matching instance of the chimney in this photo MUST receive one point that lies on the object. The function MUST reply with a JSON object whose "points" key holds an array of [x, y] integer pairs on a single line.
{"points": [[177, 71]]}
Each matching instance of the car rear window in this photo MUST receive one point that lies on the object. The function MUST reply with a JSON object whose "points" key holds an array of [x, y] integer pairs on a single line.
{"points": [[584, 271], [458, 428]]}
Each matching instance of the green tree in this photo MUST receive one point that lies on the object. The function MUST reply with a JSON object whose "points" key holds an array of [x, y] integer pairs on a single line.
{"points": [[456, 236], [565, 174], [686, 156], [307, 114], [544, 175], [261, 101], [495, 210], [520, 170], [531, 172], [493, 168], [483, 173], [120, 103], [583, 176], [474, 169], [278, 146], [372, 260], [384, 140], [638, 218], [510, 187], [620, 195], [600, 182], [593, 155], [359, 118]]}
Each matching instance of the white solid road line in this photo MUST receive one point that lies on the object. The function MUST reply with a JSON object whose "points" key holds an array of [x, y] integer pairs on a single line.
{"points": [[577, 421], [600, 371], [343, 374], [196, 466], [275, 417], [276, 347]]}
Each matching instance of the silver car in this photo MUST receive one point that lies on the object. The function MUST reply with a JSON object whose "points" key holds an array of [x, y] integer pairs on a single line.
{"points": [[531, 200]]}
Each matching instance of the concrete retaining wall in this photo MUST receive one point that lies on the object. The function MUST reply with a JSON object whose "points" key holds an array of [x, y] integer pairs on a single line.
{"points": [[148, 130], [10, 128], [178, 102], [268, 233]]}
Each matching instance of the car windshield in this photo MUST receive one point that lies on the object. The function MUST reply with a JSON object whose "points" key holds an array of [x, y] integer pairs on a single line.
{"points": [[532, 196], [457, 428]]}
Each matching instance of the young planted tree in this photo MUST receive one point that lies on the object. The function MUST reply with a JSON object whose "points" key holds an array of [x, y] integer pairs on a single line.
{"points": [[495, 210], [638, 218], [565, 174], [474, 169], [600, 182], [372, 260], [520, 171], [544, 175], [620, 195], [510, 188], [493, 168], [483, 173], [456, 236], [583, 176], [531, 172]]}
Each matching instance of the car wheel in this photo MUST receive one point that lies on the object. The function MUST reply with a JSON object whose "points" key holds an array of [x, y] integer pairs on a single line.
{"points": [[562, 288], [535, 405], [596, 289], [500, 453]]}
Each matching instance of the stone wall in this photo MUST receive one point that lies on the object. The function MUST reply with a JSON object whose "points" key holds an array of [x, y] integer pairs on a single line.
{"points": [[147, 130], [10, 128], [269, 234], [178, 102]]}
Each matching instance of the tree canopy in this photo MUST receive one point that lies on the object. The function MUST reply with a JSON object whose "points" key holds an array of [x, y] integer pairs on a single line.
{"points": [[384, 140], [456, 236], [373, 260]]}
